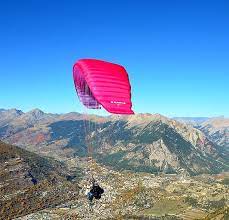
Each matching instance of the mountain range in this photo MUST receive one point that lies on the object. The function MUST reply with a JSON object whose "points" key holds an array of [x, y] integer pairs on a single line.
{"points": [[216, 129], [141, 142]]}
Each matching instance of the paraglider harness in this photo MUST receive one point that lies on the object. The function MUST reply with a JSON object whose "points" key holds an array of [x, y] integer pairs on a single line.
{"points": [[95, 192]]}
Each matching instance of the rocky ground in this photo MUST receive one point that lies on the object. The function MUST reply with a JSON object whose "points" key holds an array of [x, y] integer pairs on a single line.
{"points": [[142, 196]]}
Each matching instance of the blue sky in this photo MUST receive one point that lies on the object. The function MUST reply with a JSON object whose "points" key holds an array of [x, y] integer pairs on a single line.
{"points": [[176, 52]]}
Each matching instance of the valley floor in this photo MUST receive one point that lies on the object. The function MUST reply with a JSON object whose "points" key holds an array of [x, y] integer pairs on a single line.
{"points": [[143, 196]]}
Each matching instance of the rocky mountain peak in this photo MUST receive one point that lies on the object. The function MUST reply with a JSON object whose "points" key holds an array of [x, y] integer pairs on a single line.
{"points": [[219, 122], [15, 112], [143, 119], [36, 113], [8, 115], [31, 117]]}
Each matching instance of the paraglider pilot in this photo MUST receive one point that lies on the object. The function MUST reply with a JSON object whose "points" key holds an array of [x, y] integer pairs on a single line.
{"points": [[95, 191]]}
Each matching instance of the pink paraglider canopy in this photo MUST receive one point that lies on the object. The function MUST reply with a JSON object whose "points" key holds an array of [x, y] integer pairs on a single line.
{"points": [[100, 83]]}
